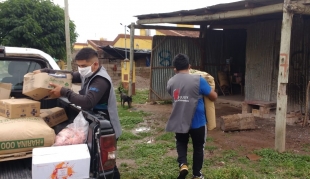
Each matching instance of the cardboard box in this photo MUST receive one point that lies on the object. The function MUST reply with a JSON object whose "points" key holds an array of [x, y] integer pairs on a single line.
{"points": [[5, 90], [16, 108], [37, 86], [53, 116], [71, 161]]}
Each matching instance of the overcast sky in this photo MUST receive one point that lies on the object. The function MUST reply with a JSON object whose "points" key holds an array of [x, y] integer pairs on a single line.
{"points": [[102, 18]]}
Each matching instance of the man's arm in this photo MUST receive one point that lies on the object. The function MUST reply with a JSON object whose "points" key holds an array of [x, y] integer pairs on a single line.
{"points": [[76, 77], [97, 88], [169, 87], [205, 89]]}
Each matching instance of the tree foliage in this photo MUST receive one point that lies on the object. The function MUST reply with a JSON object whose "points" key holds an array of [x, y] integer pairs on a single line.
{"points": [[36, 24]]}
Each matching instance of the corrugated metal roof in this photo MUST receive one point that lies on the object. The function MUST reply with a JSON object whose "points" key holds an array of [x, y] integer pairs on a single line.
{"points": [[179, 33], [120, 52], [211, 9]]}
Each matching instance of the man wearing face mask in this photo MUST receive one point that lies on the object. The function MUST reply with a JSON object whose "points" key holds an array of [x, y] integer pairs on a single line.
{"points": [[96, 92]]}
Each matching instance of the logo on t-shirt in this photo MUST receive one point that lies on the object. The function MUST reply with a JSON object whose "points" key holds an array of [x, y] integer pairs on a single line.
{"points": [[176, 93], [178, 98]]}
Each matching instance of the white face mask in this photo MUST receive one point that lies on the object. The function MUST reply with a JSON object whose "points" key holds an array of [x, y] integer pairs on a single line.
{"points": [[86, 71]]}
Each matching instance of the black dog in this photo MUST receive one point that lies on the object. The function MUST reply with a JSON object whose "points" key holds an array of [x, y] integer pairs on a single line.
{"points": [[125, 98]]}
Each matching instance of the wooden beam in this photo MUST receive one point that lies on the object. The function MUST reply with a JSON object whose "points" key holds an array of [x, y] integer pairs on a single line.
{"points": [[164, 27], [275, 8], [237, 26], [284, 61], [249, 5], [300, 7]]}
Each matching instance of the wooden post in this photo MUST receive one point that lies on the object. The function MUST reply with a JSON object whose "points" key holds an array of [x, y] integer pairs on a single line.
{"points": [[67, 32], [132, 37], [280, 129]]}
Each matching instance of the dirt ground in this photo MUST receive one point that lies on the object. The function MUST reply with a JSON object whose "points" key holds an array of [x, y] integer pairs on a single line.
{"points": [[141, 83], [297, 137]]}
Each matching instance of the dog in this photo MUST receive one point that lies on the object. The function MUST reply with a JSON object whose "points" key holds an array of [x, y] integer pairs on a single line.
{"points": [[125, 98]]}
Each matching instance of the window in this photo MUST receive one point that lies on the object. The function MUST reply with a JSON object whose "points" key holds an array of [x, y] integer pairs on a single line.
{"points": [[14, 71]]}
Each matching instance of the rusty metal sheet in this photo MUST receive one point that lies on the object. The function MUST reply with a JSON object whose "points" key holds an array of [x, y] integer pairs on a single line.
{"points": [[261, 60], [262, 66], [164, 49], [299, 64]]}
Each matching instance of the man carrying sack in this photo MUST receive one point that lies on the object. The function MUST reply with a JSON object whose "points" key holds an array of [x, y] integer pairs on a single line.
{"points": [[188, 114]]}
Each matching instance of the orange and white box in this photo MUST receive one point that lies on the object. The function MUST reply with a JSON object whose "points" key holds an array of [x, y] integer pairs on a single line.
{"points": [[69, 162]]}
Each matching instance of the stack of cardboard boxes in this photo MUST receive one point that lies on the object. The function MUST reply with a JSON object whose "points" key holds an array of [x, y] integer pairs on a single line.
{"points": [[24, 126]]}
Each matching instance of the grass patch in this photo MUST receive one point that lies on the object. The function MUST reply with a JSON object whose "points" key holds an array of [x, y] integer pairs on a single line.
{"points": [[284, 164], [167, 136], [129, 119], [155, 160], [144, 134], [140, 97], [230, 172], [209, 139], [210, 148], [124, 150], [149, 151], [128, 136], [306, 147], [129, 122]]}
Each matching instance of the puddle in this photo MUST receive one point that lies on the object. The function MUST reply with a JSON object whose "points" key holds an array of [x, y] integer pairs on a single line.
{"points": [[150, 141], [142, 129]]}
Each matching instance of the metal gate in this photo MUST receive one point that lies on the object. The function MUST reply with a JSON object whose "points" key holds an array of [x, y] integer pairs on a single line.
{"points": [[164, 48]]}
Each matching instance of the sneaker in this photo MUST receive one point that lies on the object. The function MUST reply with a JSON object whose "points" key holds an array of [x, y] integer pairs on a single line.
{"points": [[183, 172], [196, 177]]}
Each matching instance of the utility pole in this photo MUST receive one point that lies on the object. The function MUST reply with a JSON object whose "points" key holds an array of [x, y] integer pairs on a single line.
{"points": [[280, 128], [67, 31], [132, 37], [125, 41]]}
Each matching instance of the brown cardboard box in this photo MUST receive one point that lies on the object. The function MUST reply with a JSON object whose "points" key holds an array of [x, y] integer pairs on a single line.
{"points": [[16, 108], [5, 90], [37, 86], [53, 116]]}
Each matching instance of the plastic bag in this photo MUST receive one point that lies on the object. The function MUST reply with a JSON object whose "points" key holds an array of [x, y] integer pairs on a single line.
{"points": [[74, 133]]}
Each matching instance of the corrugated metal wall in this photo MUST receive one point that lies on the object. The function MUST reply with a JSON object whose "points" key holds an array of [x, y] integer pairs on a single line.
{"points": [[260, 60], [214, 57], [164, 49], [262, 64], [299, 64]]}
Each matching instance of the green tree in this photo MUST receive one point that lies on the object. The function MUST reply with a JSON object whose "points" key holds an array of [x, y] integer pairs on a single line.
{"points": [[36, 24]]}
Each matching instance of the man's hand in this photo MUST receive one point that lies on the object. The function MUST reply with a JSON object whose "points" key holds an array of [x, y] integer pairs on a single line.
{"points": [[212, 96], [37, 71], [56, 91]]}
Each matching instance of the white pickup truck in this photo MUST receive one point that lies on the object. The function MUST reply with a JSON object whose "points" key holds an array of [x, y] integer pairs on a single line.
{"points": [[101, 137]]}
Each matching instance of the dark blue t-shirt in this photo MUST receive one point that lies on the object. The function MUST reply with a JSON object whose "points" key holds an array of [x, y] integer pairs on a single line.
{"points": [[199, 119]]}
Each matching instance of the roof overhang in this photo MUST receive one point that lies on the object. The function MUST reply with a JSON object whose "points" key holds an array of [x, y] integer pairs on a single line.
{"points": [[248, 10], [120, 52]]}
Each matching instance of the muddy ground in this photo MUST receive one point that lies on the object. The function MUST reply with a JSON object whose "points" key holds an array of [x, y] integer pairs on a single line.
{"points": [[297, 137]]}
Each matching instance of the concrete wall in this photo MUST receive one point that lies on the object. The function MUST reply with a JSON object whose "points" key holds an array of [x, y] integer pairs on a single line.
{"points": [[114, 69]]}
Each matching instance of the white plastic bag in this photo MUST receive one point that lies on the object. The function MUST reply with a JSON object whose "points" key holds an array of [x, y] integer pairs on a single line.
{"points": [[74, 133]]}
